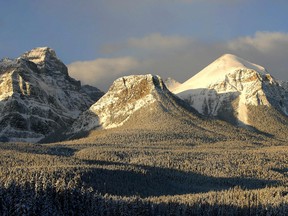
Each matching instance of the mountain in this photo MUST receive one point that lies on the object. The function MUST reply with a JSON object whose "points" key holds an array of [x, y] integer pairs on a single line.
{"points": [[171, 83], [239, 92], [141, 108], [94, 93], [125, 97], [38, 97], [284, 84]]}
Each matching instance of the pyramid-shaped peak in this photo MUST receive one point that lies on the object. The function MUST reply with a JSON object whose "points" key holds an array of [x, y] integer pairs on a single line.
{"points": [[232, 61], [40, 54], [229, 56], [217, 70]]}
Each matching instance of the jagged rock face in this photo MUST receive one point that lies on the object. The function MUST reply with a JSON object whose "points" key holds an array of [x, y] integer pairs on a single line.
{"points": [[284, 84], [37, 96], [233, 90], [250, 87], [94, 93]]}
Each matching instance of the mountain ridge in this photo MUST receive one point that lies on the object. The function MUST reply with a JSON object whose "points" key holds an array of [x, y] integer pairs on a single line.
{"points": [[141, 106], [38, 99]]}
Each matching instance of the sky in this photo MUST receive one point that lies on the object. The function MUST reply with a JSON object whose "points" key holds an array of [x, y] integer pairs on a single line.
{"points": [[102, 40]]}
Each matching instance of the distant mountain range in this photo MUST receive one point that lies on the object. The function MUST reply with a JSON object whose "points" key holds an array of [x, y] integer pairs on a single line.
{"points": [[39, 99]]}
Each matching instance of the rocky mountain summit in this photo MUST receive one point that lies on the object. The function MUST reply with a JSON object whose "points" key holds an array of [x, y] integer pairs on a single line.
{"points": [[38, 97], [125, 96], [239, 92]]}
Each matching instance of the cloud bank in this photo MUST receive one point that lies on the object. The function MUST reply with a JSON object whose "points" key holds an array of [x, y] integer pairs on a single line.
{"points": [[180, 57], [102, 72]]}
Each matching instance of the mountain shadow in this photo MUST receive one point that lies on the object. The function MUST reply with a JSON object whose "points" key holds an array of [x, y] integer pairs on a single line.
{"points": [[145, 181], [210, 103], [38, 149]]}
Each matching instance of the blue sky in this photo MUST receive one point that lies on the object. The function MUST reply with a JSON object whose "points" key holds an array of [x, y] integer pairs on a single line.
{"points": [[101, 40]]}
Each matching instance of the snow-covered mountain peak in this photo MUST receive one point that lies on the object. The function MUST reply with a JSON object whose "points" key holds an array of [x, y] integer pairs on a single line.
{"points": [[40, 54], [38, 97], [46, 60], [126, 95], [229, 62], [232, 89], [217, 72]]}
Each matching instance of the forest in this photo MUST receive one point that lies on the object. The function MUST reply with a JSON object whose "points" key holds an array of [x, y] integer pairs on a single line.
{"points": [[131, 173]]}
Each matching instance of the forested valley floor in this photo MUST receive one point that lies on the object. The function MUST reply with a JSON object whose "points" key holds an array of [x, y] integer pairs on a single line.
{"points": [[125, 175]]}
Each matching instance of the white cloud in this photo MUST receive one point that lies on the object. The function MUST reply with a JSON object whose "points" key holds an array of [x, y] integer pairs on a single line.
{"points": [[269, 49], [151, 43], [182, 57], [262, 41], [101, 72], [158, 41]]}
